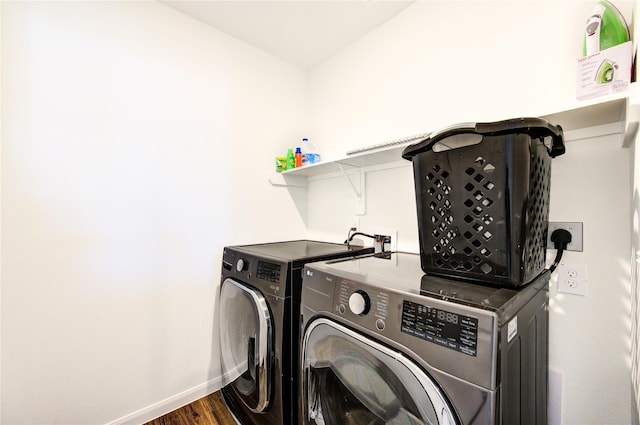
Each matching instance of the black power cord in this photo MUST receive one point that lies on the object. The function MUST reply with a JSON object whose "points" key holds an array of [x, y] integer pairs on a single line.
{"points": [[561, 238], [350, 236], [358, 233], [380, 242]]}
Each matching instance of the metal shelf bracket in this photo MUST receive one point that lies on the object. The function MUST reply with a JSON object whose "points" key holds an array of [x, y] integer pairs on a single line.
{"points": [[359, 190]]}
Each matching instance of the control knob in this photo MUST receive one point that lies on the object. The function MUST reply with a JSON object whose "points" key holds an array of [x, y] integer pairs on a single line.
{"points": [[241, 265], [359, 303]]}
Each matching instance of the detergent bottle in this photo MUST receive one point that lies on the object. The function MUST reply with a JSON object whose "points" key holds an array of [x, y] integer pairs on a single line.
{"points": [[291, 160], [310, 154]]}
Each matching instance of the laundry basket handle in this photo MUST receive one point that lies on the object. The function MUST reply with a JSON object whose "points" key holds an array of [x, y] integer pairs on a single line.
{"points": [[534, 127]]}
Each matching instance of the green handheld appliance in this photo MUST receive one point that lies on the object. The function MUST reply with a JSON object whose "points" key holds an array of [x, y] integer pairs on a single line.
{"points": [[605, 28], [606, 72]]}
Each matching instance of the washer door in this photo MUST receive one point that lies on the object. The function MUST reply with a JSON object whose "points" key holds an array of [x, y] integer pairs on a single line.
{"points": [[245, 341], [351, 379]]}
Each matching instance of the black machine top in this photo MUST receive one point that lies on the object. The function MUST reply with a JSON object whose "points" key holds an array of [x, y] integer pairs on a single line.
{"points": [[402, 272], [299, 252]]}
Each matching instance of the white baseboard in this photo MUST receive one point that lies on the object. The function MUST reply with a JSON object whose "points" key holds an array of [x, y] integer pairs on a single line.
{"points": [[169, 404]]}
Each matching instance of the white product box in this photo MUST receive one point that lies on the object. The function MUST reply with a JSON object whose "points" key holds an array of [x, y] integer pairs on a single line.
{"points": [[605, 72]]}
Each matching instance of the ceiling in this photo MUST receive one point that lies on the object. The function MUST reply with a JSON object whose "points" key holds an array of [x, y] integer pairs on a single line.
{"points": [[303, 32]]}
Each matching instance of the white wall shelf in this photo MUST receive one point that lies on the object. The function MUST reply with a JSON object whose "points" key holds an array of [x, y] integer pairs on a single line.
{"points": [[360, 160], [598, 117]]}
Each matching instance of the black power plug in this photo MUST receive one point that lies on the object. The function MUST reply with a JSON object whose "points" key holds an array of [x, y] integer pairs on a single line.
{"points": [[561, 238]]}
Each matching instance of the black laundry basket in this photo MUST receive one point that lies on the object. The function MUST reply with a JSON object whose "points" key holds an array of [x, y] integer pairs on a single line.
{"points": [[482, 195]]}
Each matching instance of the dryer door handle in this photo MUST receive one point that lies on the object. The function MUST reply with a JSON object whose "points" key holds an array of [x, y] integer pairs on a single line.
{"points": [[256, 337], [250, 373]]}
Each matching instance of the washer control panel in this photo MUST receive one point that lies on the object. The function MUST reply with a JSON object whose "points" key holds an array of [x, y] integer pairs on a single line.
{"points": [[384, 310], [359, 303], [455, 331], [363, 303]]}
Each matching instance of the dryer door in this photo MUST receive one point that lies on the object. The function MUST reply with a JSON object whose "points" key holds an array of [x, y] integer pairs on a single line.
{"points": [[245, 341], [351, 379]]}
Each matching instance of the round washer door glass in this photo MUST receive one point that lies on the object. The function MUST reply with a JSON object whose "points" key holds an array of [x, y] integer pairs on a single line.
{"points": [[245, 341], [351, 379]]}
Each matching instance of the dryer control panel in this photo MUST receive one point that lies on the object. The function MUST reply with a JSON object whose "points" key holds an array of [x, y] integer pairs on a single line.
{"points": [[266, 275]]}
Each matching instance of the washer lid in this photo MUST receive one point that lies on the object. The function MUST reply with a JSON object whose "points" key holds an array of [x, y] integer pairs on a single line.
{"points": [[401, 272]]}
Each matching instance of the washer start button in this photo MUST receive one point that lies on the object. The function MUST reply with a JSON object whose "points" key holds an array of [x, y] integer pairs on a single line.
{"points": [[380, 324]]}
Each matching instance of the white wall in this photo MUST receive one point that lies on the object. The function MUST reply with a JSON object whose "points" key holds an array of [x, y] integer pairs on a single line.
{"points": [[635, 278], [439, 63], [135, 145], [634, 114], [590, 336]]}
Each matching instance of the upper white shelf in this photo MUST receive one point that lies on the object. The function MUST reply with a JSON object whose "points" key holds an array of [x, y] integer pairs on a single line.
{"points": [[608, 115], [359, 160], [591, 115]]}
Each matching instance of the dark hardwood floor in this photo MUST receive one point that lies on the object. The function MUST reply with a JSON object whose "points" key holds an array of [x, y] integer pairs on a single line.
{"points": [[209, 410]]}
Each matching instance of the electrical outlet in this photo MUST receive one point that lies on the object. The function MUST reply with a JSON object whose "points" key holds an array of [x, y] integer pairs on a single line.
{"points": [[572, 279], [576, 235]]}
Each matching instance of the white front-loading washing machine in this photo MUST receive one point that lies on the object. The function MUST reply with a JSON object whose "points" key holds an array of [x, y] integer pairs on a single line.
{"points": [[382, 343]]}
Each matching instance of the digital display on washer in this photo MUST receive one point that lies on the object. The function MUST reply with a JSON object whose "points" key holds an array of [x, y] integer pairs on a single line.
{"points": [[451, 330]]}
